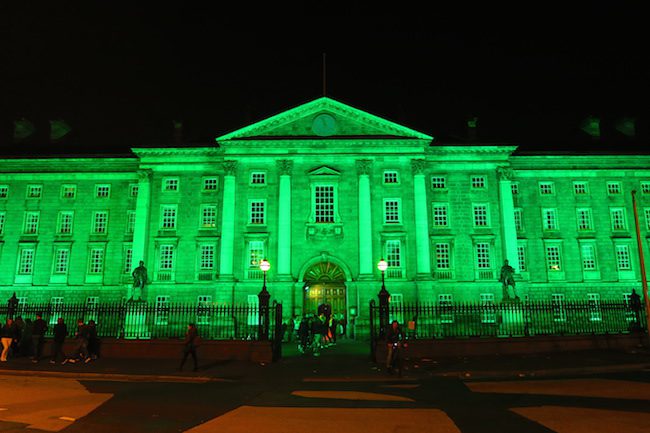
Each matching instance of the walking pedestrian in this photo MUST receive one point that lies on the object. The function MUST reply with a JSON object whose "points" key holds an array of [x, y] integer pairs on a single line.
{"points": [[80, 351], [190, 343], [7, 336], [38, 336], [19, 326], [60, 332], [93, 340]]}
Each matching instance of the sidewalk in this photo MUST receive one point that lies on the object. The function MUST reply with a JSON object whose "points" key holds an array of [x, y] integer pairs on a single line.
{"points": [[347, 359]]}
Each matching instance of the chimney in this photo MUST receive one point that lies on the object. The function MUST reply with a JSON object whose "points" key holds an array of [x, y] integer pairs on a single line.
{"points": [[178, 132], [472, 133]]}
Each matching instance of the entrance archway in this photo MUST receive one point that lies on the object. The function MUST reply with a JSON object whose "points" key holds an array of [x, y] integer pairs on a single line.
{"points": [[324, 284]]}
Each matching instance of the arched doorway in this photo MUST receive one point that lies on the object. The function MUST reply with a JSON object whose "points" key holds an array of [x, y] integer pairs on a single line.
{"points": [[324, 284]]}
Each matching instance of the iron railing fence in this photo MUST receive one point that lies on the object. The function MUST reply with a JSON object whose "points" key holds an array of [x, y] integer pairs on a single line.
{"points": [[460, 320], [139, 320]]}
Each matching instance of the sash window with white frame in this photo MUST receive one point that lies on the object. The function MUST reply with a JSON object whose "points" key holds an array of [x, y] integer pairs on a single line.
{"points": [[393, 255]]}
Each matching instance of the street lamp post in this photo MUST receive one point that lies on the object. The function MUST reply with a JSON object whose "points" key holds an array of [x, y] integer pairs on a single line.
{"points": [[264, 296], [384, 296]]}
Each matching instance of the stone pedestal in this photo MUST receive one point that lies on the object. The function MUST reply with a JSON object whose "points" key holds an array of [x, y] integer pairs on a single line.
{"points": [[135, 321]]}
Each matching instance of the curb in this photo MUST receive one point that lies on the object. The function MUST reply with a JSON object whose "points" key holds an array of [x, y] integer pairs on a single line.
{"points": [[580, 371], [113, 377]]}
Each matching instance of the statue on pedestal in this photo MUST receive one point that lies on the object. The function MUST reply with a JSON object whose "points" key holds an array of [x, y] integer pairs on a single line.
{"points": [[140, 280], [507, 278]]}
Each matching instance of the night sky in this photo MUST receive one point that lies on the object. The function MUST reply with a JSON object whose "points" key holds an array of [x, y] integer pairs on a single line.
{"points": [[119, 75]]}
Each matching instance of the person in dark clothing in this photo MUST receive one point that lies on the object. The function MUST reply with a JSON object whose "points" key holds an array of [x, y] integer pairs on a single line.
{"points": [[190, 343], [38, 337], [80, 351], [60, 332], [93, 340], [26, 346], [19, 326], [394, 342], [303, 335]]}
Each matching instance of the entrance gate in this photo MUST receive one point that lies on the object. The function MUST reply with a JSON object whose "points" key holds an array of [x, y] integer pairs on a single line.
{"points": [[324, 284]]}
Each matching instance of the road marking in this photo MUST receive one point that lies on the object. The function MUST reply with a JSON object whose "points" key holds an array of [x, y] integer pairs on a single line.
{"points": [[351, 395], [111, 377], [67, 418], [578, 419], [359, 379], [403, 386]]}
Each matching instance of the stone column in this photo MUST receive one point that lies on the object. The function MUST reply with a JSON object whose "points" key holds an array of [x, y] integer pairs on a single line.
{"points": [[228, 220], [421, 219], [284, 219], [366, 258], [506, 203], [142, 215]]}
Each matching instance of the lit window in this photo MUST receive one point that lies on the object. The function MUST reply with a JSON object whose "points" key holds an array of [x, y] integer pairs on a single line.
{"points": [[392, 211], [391, 177], [443, 256], [585, 222], [26, 261], [580, 188], [613, 188], [209, 184], [623, 261], [438, 182], [324, 203], [31, 223], [100, 222], [133, 190], [102, 191], [440, 215], [480, 212], [546, 188], [61, 260], [96, 261], [255, 254], [483, 255], [170, 184], [4, 191], [168, 217], [617, 216], [208, 216], [549, 219], [519, 224], [257, 213], [588, 252], [68, 191], [34, 191], [206, 261], [553, 258], [393, 254], [258, 178], [478, 182], [166, 258], [64, 223]]}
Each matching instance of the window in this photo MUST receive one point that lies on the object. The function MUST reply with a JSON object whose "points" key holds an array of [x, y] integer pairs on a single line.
{"points": [[617, 216], [92, 303], [595, 314], [209, 184], [391, 177], [480, 212], [583, 217], [645, 188], [130, 222], [56, 303], [96, 261], [64, 223], [521, 258], [255, 256], [128, 260], [166, 258], [26, 261], [257, 214], [396, 309], [646, 212], [253, 307], [519, 224], [203, 303], [588, 252], [478, 182], [623, 261], [31, 223], [546, 188], [161, 316], [613, 188], [580, 188], [446, 304], [100, 222], [553, 258], [133, 190], [61, 261], [514, 187], [4, 191], [392, 213], [324, 203], [34, 191], [168, 217], [559, 310], [438, 182], [443, 255], [102, 191], [440, 215], [3, 220], [488, 313], [549, 219], [258, 178], [206, 261], [393, 254], [208, 216], [68, 191], [483, 256], [170, 184]]}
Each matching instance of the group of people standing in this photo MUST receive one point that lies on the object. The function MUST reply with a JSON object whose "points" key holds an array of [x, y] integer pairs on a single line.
{"points": [[318, 331], [27, 338]]}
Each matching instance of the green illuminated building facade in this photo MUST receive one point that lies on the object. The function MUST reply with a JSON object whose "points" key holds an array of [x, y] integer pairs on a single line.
{"points": [[323, 191]]}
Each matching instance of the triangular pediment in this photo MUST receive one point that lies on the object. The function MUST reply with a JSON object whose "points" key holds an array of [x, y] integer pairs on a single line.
{"points": [[324, 171], [323, 118]]}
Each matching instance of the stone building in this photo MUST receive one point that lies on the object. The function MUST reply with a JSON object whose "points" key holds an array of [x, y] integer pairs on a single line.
{"points": [[323, 191]]}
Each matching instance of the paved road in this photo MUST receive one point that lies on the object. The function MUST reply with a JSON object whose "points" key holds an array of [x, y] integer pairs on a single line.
{"points": [[335, 393]]}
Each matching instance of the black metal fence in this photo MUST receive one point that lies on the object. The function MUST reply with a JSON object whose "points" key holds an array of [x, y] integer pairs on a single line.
{"points": [[460, 320], [139, 320]]}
